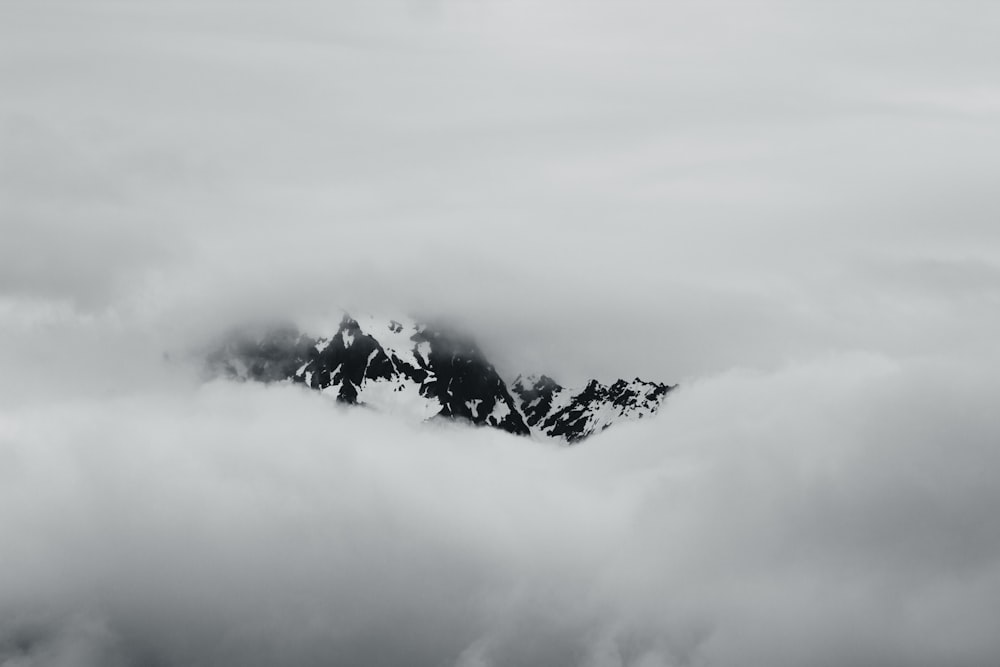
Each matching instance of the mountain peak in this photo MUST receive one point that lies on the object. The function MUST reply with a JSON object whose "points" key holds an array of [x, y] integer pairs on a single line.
{"points": [[407, 367]]}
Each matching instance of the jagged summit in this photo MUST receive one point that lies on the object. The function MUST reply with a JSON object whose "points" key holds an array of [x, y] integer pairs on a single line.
{"points": [[403, 366], [574, 414]]}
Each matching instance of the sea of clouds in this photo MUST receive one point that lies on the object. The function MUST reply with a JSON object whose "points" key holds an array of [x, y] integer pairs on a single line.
{"points": [[840, 511], [789, 211]]}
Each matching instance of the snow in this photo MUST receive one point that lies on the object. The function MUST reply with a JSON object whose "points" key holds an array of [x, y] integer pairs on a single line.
{"points": [[424, 350], [500, 412], [368, 362], [398, 342], [322, 344]]}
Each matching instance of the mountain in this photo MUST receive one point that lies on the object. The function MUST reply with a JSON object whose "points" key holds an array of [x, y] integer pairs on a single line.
{"points": [[423, 372], [573, 414]]}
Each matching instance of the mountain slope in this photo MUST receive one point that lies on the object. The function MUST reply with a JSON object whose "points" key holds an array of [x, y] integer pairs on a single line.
{"points": [[409, 368], [570, 414]]}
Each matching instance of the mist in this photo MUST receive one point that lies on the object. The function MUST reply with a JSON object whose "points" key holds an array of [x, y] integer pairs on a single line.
{"points": [[840, 511], [788, 210]]}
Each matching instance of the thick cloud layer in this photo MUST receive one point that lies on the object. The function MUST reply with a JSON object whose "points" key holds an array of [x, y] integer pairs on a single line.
{"points": [[839, 512], [735, 184], [788, 209]]}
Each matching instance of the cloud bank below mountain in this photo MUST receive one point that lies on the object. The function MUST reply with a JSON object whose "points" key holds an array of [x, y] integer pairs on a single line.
{"points": [[838, 511]]}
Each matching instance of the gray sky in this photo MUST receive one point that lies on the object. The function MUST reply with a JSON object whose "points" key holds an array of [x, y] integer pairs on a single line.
{"points": [[743, 183], [788, 207]]}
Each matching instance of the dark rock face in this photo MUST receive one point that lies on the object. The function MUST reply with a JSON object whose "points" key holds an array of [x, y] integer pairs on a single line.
{"points": [[350, 358], [430, 372], [536, 398], [572, 416], [466, 384]]}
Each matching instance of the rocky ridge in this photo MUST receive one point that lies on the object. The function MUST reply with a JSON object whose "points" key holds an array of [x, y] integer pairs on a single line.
{"points": [[423, 372]]}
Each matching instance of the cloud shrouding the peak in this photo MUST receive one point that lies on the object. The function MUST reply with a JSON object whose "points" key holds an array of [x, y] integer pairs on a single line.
{"points": [[788, 210], [752, 186]]}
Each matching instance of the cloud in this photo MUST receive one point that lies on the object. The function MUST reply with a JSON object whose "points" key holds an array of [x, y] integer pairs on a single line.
{"points": [[838, 508], [512, 164], [788, 210]]}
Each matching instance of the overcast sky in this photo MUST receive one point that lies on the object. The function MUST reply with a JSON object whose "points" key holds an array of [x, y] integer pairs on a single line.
{"points": [[788, 207]]}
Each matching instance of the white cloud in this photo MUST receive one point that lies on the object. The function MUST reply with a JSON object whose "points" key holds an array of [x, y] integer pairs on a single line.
{"points": [[841, 507], [789, 210]]}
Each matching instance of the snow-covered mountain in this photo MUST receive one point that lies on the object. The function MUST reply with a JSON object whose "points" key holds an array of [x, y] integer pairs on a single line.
{"points": [[574, 414], [420, 371]]}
